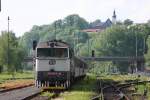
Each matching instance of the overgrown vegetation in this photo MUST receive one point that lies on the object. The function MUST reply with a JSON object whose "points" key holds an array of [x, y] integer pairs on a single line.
{"points": [[124, 78], [4, 77], [82, 90], [11, 53]]}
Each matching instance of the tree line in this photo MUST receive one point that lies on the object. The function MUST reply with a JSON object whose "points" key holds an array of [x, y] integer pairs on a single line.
{"points": [[121, 40]]}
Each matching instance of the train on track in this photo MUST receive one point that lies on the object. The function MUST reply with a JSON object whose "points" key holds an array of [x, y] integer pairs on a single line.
{"points": [[56, 65]]}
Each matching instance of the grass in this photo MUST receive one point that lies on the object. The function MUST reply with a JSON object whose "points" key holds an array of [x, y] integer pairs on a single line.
{"points": [[47, 94], [123, 78], [141, 88], [78, 95], [82, 90], [21, 79], [148, 88], [25, 75]]}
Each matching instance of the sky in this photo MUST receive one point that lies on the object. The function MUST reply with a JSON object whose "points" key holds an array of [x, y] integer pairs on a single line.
{"points": [[26, 13]]}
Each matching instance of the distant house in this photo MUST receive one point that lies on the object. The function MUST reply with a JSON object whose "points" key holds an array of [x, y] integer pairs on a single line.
{"points": [[100, 26]]}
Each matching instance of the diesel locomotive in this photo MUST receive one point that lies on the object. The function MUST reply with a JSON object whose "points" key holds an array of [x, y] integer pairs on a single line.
{"points": [[56, 65]]}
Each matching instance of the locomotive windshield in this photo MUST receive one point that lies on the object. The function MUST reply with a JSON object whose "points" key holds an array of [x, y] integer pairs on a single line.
{"points": [[52, 52]]}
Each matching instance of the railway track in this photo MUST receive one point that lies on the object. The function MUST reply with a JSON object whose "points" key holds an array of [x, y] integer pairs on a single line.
{"points": [[115, 91], [25, 93], [112, 92], [13, 88]]}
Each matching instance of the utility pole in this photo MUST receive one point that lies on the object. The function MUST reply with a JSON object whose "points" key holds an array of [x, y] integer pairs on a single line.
{"points": [[144, 46], [76, 37], [0, 6], [8, 43], [136, 51], [136, 45], [77, 43], [74, 44], [88, 47], [55, 29]]}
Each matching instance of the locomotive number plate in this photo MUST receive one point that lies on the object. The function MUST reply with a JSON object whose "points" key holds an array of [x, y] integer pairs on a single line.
{"points": [[52, 62]]}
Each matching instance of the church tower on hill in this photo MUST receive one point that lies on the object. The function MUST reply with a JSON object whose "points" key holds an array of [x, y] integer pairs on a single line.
{"points": [[114, 17]]}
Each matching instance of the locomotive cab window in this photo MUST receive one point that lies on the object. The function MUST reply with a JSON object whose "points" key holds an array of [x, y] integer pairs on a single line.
{"points": [[52, 52]]}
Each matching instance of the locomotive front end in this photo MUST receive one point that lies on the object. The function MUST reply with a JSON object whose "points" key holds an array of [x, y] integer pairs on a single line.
{"points": [[52, 64]]}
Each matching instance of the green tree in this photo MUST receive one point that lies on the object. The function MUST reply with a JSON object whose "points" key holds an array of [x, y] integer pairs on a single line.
{"points": [[11, 54], [63, 29], [75, 21], [121, 41], [128, 22], [148, 53], [147, 50]]}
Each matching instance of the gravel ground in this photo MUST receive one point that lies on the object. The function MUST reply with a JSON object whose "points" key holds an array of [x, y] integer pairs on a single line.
{"points": [[40, 98], [46, 98], [19, 94]]}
